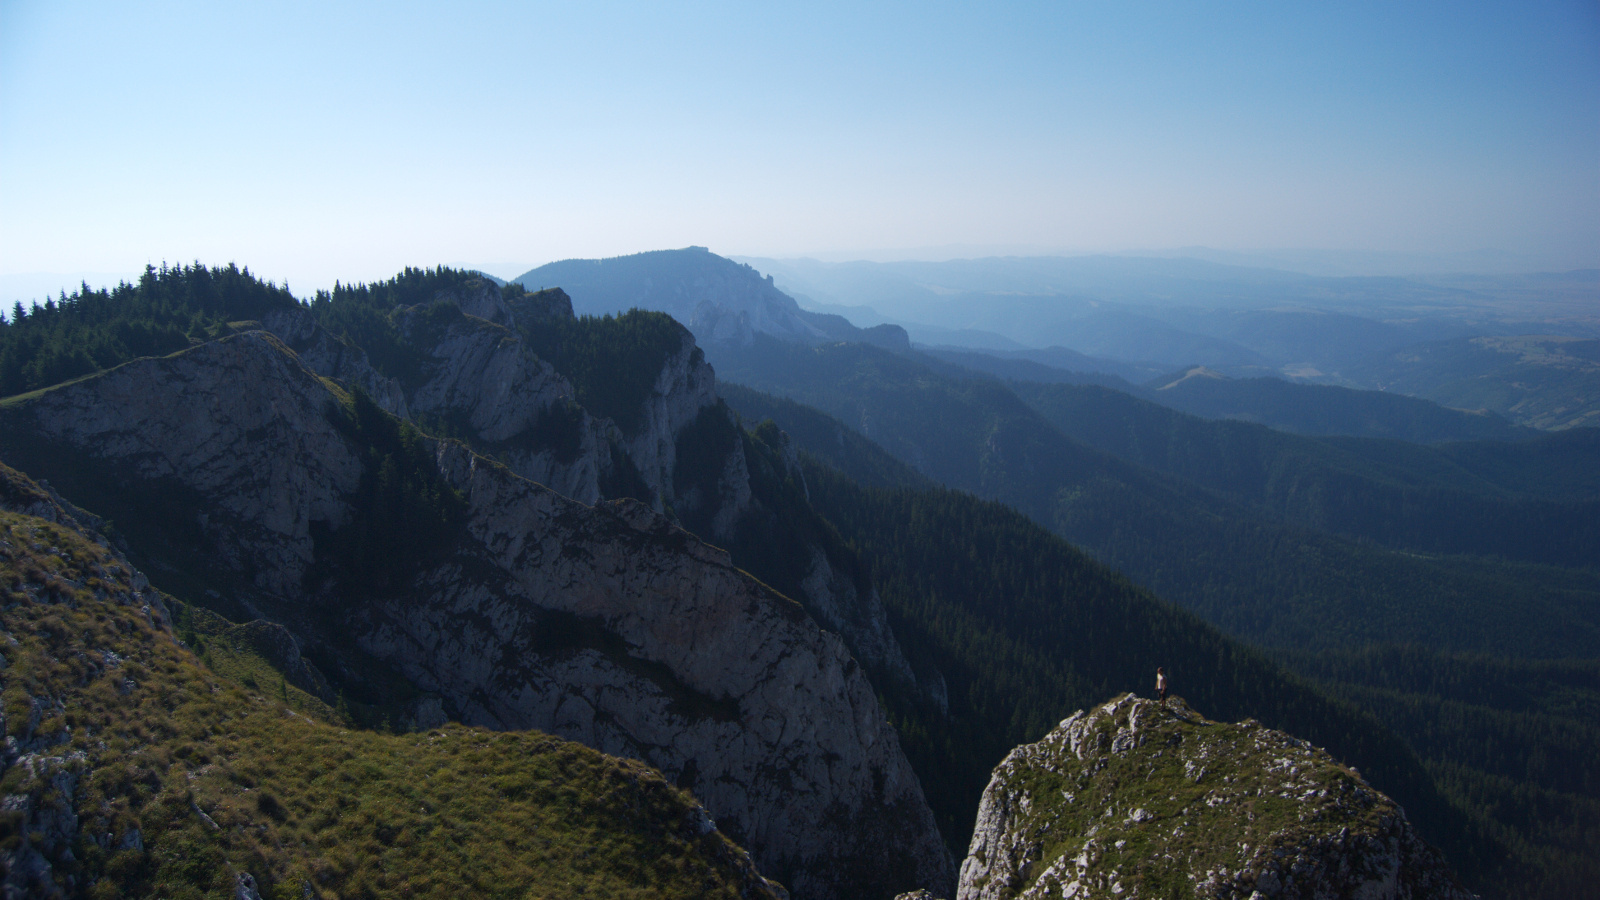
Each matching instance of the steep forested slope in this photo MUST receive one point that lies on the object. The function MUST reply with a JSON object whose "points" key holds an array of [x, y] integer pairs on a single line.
{"points": [[1509, 740], [1258, 578], [1514, 739], [822, 435], [1025, 629]]}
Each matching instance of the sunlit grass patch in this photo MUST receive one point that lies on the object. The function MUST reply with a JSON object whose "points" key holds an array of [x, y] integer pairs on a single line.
{"points": [[189, 771]]}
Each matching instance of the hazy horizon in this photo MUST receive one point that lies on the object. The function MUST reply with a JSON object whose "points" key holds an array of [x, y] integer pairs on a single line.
{"points": [[345, 141], [29, 287]]}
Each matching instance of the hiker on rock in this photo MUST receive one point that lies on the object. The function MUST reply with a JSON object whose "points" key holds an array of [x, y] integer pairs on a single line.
{"points": [[1161, 684]]}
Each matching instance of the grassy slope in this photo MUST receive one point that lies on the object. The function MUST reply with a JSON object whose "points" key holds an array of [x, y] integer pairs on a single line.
{"points": [[297, 799]]}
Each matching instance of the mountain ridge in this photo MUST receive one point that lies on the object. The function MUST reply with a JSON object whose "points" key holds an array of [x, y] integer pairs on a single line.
{"points": [[271, 549]]}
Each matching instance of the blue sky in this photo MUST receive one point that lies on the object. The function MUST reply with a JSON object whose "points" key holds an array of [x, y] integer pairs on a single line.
{"points": [[314, 141]]}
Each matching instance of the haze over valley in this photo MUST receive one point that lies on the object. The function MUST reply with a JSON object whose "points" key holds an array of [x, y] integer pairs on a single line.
{"points": [[926, 453]]}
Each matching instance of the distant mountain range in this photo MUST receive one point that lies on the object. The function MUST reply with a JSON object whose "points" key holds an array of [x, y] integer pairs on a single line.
{"points": [[1310, 409], [1130, 348], [1138, 317]]}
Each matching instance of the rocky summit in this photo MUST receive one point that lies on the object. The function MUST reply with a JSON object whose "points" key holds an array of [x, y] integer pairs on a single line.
{"points": [[1136, 798]]}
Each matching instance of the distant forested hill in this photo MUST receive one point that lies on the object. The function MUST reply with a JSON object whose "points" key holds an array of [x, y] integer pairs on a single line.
{"points": [[715, 298], [1540, 380], [1266, 580], [1394, 494], [1310, 409], [859, 459], [1322, 409], [1051, 365]]}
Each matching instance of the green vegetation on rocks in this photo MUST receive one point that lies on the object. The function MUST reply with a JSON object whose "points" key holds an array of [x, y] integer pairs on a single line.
{"points": [[403, 512], [364, 316], [612, 361], [135, 769], [1139, 799]]}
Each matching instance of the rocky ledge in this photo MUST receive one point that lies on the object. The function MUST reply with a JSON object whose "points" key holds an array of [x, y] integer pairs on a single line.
{"points": [[1136, 798]]}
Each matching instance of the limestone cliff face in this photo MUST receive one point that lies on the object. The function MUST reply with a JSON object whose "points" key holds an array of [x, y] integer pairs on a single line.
{"points": [[1139, 799], [480, 378], [505, 399], [685, 386], [484, 382], [326, 355], [602, 623], [722, 684], [519, 408], [836, 601], [236, 430]]}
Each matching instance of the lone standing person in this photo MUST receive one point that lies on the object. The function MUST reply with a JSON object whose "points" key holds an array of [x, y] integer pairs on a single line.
{"points": [[1161, 684]]}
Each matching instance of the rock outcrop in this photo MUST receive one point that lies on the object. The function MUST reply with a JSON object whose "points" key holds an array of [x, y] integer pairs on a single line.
{"points": [[233, 438], [685, 387], [484, 385], [1141, 799], [481, 382], [328, 356], [124, 754], [605, 624]]}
